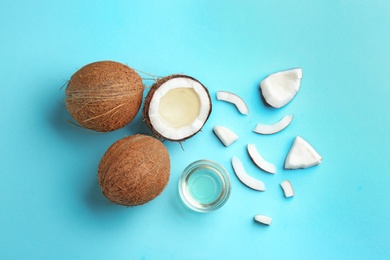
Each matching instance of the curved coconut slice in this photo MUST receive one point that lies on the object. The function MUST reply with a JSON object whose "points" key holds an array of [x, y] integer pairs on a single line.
{"points": [[274, 128], [259, 161], [263, 219], [225, 135], [301, 155], [234, 99], [244, 177], [177, 107], [287, 188], [280, 88]]}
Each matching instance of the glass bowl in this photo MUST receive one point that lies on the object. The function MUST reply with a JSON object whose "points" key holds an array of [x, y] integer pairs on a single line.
{"points": [[204, 186]]}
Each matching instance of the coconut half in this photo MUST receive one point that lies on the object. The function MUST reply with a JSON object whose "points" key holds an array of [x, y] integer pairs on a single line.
{"points": [[177, 107], [301, 155], [280, 88]]}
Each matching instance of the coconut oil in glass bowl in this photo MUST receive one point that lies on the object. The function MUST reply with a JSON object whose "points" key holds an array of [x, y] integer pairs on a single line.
{"points": [[204, 186]]}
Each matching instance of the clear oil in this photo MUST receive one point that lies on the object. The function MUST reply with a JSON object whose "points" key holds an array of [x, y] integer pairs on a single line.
{"points": [[204, 185]]}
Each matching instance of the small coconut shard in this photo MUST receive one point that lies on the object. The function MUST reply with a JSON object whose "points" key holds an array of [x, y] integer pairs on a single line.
{"points": [[280, 88], [177, 107], [134, 170], [301, 155], [265, 220], [274, 128], [225, 135], [234, 99], [259, 160], [244, 177], [287, 188], [104, 96]]}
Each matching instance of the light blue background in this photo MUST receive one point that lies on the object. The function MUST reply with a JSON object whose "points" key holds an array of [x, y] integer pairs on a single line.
{"points": [[51, 204]]}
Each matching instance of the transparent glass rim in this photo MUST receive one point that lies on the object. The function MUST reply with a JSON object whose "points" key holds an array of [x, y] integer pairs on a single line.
{"points": [[222, 174]]}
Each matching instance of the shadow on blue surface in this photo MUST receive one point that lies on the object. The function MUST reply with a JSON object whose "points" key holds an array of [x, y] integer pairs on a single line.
{"points": [[104, 212]]}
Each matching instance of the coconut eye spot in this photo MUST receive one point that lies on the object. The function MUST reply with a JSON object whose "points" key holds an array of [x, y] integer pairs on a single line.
{"points": [[179, 107]]}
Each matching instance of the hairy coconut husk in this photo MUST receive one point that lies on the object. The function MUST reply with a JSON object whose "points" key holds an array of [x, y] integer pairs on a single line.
{"points": [[149, 97], [104, 96], [134, 170]]}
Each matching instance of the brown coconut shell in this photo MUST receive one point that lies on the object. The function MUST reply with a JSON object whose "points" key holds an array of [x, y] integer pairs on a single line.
{"points": [[134, 170], [150, 95], [104, 96]]}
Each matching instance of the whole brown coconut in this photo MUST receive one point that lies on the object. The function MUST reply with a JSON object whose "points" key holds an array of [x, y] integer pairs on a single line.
{"points": [[134, 170], [104, 96]]}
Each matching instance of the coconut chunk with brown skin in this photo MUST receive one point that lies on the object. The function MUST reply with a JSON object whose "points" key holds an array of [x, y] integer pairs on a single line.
{"points": [[243, 176], [302, 155], [177, 107], [280, 88], [287, 188], [274, 128], [234, 99], [259, 160], [265, 220], [225, 135]]}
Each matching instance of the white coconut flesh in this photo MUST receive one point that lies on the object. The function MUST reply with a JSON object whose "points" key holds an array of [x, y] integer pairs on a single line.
{"points": [[301, 155], [243, 176], [280, 88], [287, 188], [225, 135], [179, 108], [265, 220], [259, 160], [234, 99], [274, 128]]}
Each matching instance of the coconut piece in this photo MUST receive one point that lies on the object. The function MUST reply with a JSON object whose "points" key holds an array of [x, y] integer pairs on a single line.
{"points": [[259, 161], [134, 170], [280, 88], [177, 107], [104, 96], [263, 219], [244, 177], [234, 99], [287, 188], [301, 155], [274, 128], [225, 135]]}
